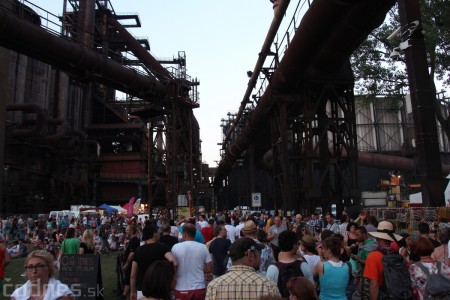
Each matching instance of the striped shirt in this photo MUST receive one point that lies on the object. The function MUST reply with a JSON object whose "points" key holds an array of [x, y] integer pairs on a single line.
{"points": [[241, 282], [343, 228]]}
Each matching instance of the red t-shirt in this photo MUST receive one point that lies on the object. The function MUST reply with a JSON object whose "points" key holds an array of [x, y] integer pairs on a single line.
{"points": [[207, 233], [374, 267]]}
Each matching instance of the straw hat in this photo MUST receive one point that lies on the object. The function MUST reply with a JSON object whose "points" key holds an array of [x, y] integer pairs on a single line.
{"points": [[385, 231], [308, 240], [249, 227]]}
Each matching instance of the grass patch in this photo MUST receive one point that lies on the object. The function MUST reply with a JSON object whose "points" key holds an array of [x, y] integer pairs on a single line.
{"points": [[109, 277]]}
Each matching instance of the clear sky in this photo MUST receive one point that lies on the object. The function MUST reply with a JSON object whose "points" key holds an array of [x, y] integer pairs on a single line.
{"points": [[221, 38]]}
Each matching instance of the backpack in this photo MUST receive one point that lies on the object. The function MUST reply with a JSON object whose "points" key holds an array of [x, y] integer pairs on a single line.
{"points": [[396, 278], [437, 285], [285, 272]]}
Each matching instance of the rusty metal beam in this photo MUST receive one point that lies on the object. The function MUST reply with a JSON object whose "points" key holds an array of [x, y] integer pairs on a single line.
{"points": [[423, 99], [265, 50], [373, 160], [392, 162], [35, 42], [312, 35], [136, 47]]}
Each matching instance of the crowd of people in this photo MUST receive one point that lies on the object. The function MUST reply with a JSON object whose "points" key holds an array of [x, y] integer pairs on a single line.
{"points": [[237, 256]]}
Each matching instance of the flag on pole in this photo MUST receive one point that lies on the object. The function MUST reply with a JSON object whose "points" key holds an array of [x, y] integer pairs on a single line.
{"points": [[137, 206], [130, 207]]}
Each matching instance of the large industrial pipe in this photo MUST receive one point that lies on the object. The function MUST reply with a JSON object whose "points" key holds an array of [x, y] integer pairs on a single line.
{"points": [[28, 108], [351, 30], [149, 61], [312, 35], [33, 41], [280, 10], [373, 160], [392, 162], [65, 140]]}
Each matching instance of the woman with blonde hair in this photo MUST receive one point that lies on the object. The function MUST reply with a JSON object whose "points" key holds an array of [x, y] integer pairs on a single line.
{"points": [[41, 283], [87, 245]]}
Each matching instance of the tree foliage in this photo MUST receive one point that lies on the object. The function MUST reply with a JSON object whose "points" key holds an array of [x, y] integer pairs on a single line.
{"points": [[376, 72]]}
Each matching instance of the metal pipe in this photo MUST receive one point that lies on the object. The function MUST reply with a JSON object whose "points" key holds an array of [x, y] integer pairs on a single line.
{"points": [[86, 15], [311, 36], [4, 91], [149, 61], [280, 10], [65, 140], [33, 41], [361, 19], [374, 160], [28, 108]]}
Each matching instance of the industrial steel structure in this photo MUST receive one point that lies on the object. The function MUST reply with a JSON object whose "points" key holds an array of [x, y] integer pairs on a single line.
{"points": [[306, 102], [70, 136], [89, 115]]}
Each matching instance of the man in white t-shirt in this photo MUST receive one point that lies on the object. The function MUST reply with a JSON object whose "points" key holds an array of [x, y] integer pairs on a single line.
{"points": [[239, 227], [194, 264], [201, 221], [232, 235]]}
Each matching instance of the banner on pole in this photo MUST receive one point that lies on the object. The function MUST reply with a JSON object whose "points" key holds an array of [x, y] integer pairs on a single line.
{"points": [[130, 207]]}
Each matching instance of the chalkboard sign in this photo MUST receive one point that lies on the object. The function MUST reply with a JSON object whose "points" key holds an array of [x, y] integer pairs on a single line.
{"points": [[82, 273]]}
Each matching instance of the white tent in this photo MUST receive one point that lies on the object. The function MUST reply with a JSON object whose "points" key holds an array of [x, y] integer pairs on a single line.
{"points": [[119, 208]]}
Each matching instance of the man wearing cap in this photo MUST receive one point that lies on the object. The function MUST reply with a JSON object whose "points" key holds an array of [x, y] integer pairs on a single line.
{"points": [[308, 249], [373, 270], [242, 281], [250, 230]]}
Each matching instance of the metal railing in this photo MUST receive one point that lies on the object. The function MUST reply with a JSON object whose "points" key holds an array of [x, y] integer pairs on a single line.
{"points": [[120, 176]]}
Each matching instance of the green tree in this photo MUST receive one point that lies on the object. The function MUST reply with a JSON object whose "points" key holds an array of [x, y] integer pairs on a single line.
{"points": [[377, 72]]}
